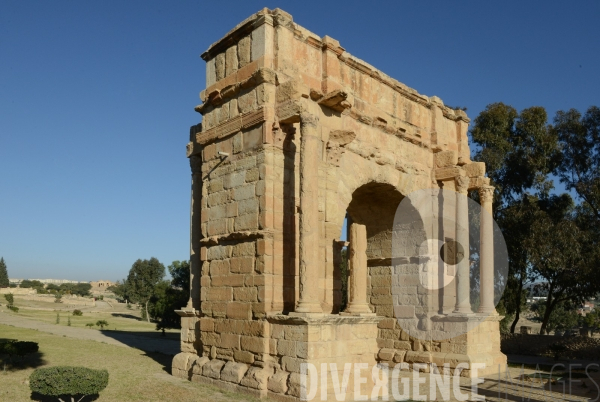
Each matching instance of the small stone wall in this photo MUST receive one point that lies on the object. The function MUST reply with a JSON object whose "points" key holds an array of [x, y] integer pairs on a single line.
{"points": [[576, 347]]}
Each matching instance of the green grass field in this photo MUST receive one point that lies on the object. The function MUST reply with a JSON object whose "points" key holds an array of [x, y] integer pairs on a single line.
{"points": [[134, 375], [119, 318]]}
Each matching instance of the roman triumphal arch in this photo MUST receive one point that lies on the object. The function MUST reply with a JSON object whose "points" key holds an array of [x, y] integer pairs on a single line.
{"points": [[297, 136]]}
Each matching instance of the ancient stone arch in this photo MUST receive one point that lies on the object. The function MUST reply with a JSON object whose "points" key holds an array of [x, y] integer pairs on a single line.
{"points": [[296, 133]]}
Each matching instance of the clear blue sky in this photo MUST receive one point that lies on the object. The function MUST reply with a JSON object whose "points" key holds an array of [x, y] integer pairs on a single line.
{"points": [[96, 99]]}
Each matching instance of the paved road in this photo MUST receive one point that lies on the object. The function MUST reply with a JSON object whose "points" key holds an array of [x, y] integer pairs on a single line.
{"points": [[118, 338]]}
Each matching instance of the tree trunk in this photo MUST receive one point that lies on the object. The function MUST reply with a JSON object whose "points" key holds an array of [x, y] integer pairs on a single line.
{"points": [[549, 307], [518, 307], [147, 316]]}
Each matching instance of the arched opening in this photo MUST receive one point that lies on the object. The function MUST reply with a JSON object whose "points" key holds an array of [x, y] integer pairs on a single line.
{"points": [[373, 205]]}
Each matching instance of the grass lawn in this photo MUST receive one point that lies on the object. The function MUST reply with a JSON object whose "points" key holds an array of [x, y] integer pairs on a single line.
{"points": [[119, 319], [134, 375]]}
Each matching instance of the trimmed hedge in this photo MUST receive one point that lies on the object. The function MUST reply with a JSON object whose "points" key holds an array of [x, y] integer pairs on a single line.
{"points": [[68, 380]]}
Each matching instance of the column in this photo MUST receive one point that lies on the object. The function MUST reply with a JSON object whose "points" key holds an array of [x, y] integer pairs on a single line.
{"points": [[310, 156], [463, 302], [357, 278], [486, 262], [447, 235], [195, 232]]}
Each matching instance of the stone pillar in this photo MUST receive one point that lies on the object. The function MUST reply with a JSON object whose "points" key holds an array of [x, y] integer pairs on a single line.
{"points": [[447, 267], [195, 232], [310, 266], [357, 279], [463, 302], [486, 252]]}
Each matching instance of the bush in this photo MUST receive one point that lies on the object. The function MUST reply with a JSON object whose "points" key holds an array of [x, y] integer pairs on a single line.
{"points": [[13, 308], [68, 381], [58, 298], [77, 313], [9, 298], [89, 324]]}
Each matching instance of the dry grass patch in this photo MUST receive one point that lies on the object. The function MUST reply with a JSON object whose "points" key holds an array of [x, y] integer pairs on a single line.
{"points": [[134, 375]]}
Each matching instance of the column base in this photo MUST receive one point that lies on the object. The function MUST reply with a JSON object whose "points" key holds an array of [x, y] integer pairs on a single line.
{"points": [[358, 309], [309, 308]]}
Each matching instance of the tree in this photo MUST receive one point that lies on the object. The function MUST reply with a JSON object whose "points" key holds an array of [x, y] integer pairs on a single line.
{"points": [[171, 296], [520, 151], [102, 323], [562, 317], [560, 254], [143, 277], [579, 137], [4, 283], [10, 299]]}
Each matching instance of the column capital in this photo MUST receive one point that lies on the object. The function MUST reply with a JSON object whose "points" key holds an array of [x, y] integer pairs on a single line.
{"points": [[462, 184], [486, 193], [196, 164]]}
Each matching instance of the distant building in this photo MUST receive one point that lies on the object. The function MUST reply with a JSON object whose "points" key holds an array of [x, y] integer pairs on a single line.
{"points": [[101, 285]]}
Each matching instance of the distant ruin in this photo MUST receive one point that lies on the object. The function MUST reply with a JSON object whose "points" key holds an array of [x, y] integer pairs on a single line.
{"points": [[297, 135]]}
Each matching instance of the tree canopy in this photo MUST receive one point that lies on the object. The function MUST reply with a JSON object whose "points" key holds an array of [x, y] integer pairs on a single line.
{"points": [[141, 282], [4, 283], [551, 237]]}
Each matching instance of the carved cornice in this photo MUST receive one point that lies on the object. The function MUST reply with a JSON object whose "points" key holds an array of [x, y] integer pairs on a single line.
{"points": [[217, 97], [234, 125]]}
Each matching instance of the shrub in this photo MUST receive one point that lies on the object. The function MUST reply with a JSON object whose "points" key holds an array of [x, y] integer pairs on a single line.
{"points": [[13, 308], [68, 381], [77, 313], [9, 298], [102, 323], [57, 318], [69, 321], [89, 324], [58, 298]]}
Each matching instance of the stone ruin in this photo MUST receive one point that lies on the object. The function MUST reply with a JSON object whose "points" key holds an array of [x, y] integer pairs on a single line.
{"points": [[296, 135]]}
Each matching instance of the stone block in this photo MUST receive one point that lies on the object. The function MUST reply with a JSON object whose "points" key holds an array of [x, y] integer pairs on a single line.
{"points": [[233, 372], [245, 294], [286, 348], [243, 51], [213, 368], [386, 354], [404, 311], [219, 294], [196, 363], [239, 311], [257, 378], [255, 344], [278, 382], [244, 249], [230, 341], [475, 169], [231, 60], [243, 356], [242, 264], [220, 66]]}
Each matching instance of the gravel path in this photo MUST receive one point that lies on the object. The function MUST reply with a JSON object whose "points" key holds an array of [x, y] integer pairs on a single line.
{"points": [[118, 338]]}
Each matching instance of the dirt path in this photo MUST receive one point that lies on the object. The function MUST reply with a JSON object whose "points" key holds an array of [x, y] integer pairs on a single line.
{"points": [[118, 338]]}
